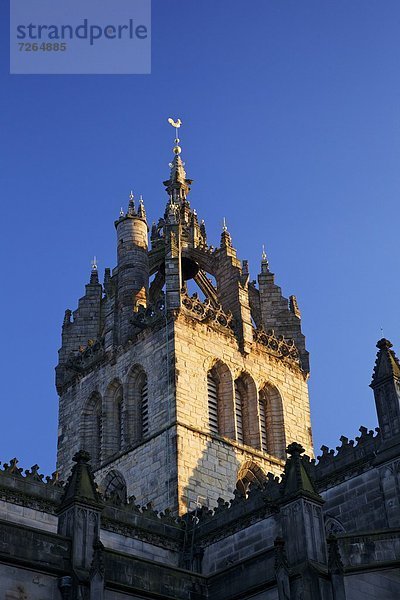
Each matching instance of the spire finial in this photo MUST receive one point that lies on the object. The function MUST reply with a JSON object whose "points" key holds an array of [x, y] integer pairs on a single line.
{"points": [[131, 205], [94, 275], [141, 209], [121, 212], [264, 254], [226, 240], [177, 149], [264, 261]]}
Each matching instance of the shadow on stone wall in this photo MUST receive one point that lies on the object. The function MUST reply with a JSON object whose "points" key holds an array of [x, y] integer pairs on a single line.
{"points": [[214, 476]]}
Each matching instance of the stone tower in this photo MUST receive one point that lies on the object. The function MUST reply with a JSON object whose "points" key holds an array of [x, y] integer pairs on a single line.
{"points": [[181, 398]]}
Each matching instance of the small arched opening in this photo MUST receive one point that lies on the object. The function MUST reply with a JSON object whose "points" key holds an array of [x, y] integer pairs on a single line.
{"points": [[114, 486], [250, 474]]}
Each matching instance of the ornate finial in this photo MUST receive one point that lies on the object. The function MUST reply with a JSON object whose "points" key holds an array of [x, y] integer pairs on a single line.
{"points": [[131, 205], [81, 457], [226, 240], [384, 344], [264, 261], [121, 212], [264, 254], [177, 149], [94, 275], [141, 209], [295, 449]]}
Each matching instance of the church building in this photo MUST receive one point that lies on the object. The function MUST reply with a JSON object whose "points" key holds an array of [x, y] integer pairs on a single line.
{"points": [[185, 466]]}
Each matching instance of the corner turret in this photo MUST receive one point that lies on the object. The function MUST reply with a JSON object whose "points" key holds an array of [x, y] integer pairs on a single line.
{"points": [[278, 313], [81, 327], [133, 265]]}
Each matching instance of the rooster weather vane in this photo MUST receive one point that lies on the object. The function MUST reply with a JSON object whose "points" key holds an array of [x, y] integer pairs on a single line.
{"points": [[176, 124]]}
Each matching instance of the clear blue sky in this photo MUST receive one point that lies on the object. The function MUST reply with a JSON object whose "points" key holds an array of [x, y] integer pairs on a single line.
{"points": [[291, 130]]}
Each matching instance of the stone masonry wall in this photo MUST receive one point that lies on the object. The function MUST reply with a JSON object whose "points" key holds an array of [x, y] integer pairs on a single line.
{"points": [[146, 471], [23, 515], [240, 545], [357, 503], [18, 584], [208, 465], [144, 468]]}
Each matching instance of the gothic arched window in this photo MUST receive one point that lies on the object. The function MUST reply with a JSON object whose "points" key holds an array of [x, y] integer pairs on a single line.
{"points": [[137, 406], [114, 486], [247, 425], [250, 474], [273, 439], [114, 419], [220, 401], [92, 428]]}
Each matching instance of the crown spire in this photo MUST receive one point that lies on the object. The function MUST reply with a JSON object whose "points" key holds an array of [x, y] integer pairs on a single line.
{"points": [[178, 186]]}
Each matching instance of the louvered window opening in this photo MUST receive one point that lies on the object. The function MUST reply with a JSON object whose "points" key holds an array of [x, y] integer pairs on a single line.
{"points": [[145, 410], [212, 404], [238, 415], [263, 425], [97, 436], [119, 424]]}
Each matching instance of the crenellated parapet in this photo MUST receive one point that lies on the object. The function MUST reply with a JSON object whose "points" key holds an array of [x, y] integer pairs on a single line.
{"points": [[29, 488], [351, 456]]}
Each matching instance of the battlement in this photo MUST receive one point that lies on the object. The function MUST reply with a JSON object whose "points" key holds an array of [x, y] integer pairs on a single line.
{"points": [[352, 455]]}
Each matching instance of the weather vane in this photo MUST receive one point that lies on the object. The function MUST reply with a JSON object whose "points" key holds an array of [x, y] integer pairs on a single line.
{"points": [[176, 124]]}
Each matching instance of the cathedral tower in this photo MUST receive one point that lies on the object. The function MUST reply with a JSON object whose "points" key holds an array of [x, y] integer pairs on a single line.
{"points": [[181, 398]]}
